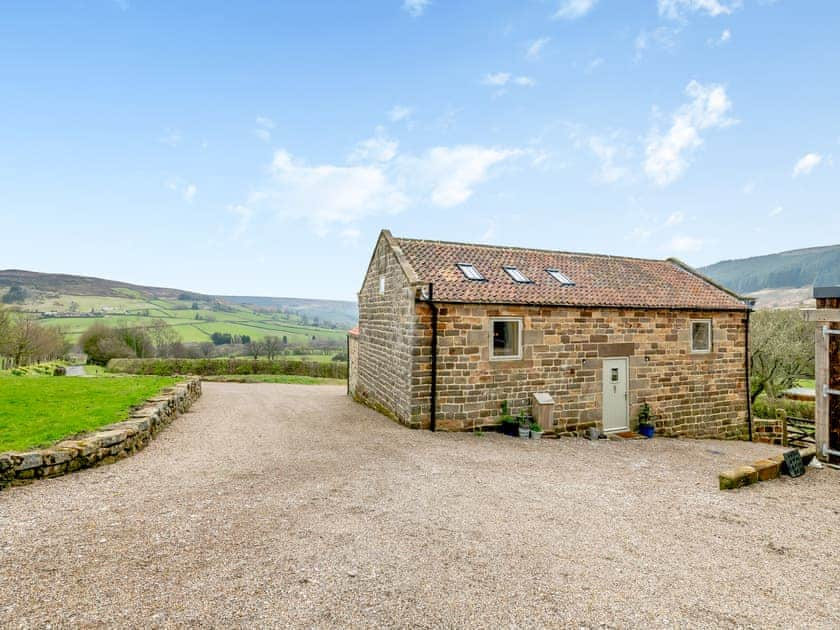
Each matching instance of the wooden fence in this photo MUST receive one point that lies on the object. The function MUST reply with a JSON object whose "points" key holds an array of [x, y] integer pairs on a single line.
{"points": [[800, 432]]}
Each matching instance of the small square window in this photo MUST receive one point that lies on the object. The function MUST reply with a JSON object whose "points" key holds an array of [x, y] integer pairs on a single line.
{"points": [[470, 271], [561, 277], [507, 339], [701, 335], [517, 275]]}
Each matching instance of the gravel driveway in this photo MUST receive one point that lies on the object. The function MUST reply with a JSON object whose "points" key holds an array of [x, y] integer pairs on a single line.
{"points": [[280, 505]]}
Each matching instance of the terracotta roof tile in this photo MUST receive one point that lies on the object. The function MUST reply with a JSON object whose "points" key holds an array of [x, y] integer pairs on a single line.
{"points": [[599, 280]]}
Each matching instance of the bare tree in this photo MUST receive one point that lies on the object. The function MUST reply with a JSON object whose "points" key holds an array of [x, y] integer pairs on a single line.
{"points": [[164, 337], [254, 349], [26, 341], [207, 349], [272, 346], [781, 351]]}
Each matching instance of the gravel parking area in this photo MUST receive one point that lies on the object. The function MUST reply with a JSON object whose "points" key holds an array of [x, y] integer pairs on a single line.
{"points": [[284, 505]]}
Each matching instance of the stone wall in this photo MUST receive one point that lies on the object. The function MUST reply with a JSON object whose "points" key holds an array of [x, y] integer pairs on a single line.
{"points": [[697, 395], [106, 445], [386, 328], [770, 431], [352, 361]]}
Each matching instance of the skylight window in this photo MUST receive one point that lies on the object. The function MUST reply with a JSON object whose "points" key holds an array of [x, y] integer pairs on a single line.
{"points": [[470, 271], [517, 275], [561, 277]]}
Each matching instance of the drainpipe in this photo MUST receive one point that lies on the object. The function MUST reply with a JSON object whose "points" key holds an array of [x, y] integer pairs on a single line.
{"points": [[747, 373], [433, 391]]}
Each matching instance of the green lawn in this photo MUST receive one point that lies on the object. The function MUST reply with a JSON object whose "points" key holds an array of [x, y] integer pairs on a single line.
{"points": [[292, 379], [40, 411], [807, 382]]}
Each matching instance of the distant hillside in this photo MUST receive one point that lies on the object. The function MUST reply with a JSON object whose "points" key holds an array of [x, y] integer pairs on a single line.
{"points": [[798, 269], [70, 302]]}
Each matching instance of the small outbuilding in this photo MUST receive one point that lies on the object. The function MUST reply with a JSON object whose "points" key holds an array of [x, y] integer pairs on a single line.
{"points": [[449, 331]]}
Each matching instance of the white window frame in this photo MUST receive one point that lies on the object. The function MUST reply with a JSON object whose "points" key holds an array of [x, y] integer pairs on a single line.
{"points": [[508, 357], [382, 285], [479, 277], [561, 277], [691, 336], [513, 272]]}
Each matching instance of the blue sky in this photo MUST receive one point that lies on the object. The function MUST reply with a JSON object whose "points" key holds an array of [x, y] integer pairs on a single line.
{"points": [[259, 147]]}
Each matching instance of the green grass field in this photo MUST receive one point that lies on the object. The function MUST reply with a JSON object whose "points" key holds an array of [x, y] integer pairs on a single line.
{"points": [[40, 411], [139, 312]]}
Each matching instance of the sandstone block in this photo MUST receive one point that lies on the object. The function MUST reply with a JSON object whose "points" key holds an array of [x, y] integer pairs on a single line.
{"points": [[6, 462], [741, 476], [110, 438], [27, 461], [766, 469]]}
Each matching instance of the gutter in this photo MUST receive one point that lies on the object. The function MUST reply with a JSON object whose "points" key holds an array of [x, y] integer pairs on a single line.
{"points": [[747, 374], [433, 388]]}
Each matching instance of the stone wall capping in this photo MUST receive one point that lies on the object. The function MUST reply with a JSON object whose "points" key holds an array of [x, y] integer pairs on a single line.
{"points": [[104, 446]]}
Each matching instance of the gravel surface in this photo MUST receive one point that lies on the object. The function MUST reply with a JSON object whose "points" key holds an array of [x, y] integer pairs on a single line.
{"points": [[285, 505]]}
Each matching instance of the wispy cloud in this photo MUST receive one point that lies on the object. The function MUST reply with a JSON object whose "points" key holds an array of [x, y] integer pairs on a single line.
{"points": [[378, 148], [189, 192], [400, 112], [776, 211], [574, 9], [415, 8], [502, 79], [806, 164], [608, 154], [720, 40], [662, 37], [535, 48], [667, 154], [679, 9], [675, 218], [243, 215], [264, 127]]}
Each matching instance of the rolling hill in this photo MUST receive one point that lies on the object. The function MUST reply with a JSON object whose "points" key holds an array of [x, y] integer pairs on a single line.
{"points": [[780, 280], [73, 303]]}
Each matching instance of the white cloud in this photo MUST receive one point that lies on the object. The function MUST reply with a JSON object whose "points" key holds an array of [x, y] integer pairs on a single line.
{"points": [[535, 48], [749, 188], [667, 155], [327, 195], [264, 127], [379, 148], [449, 175], [776, 211], [722, 39], [663, 37], [490, 234], [497, 79], [399, 112], [594, 64], [677, 9], [415, 8], [501, 79], [682, 243], [573, 9], [675, 218], [806, 164], [350, 234], [189, 192], [607, 153]]}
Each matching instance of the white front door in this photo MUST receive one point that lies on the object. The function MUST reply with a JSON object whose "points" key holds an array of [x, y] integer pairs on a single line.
{"points": [[615, 395]]}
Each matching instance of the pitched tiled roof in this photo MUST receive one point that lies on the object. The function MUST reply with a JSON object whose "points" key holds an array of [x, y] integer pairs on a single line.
{"points": [[599, 280]]}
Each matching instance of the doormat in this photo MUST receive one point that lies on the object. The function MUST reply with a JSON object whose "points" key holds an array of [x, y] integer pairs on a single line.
{"points": [[629, 435]]}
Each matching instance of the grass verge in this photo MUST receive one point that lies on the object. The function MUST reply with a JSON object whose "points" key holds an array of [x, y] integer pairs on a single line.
{"points": [[291, 379], [40, 411]]}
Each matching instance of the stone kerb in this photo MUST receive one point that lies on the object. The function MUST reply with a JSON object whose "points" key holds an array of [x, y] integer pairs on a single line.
{"points": [[104, 446]]}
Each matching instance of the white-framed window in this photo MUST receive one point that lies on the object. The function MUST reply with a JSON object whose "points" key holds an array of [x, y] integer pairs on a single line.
{"points": [[517, 275], [561, 277], [506, 338], [381, 285], [470, 272], [701, 335]]}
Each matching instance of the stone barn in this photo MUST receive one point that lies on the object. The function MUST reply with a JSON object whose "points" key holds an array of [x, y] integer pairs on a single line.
{"points": [[448, 331]]}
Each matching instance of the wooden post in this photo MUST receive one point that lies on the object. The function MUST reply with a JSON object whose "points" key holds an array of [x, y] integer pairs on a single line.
{"points": [[827, 314]]}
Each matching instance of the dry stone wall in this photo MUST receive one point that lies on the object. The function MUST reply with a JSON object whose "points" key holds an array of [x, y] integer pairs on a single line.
{"points": [[105, 446]]}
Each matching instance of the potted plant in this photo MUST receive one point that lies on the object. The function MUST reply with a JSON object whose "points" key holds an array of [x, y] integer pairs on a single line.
{"points": [[536, 431], [524, 425], [510, 425], [645, 421]]}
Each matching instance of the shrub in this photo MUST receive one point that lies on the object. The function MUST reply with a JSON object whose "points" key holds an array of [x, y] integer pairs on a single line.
{"points": [[765, 407], [219, 367]]}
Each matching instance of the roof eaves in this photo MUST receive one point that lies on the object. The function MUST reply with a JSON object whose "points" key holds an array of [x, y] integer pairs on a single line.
{"points": [[747, 302]]}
